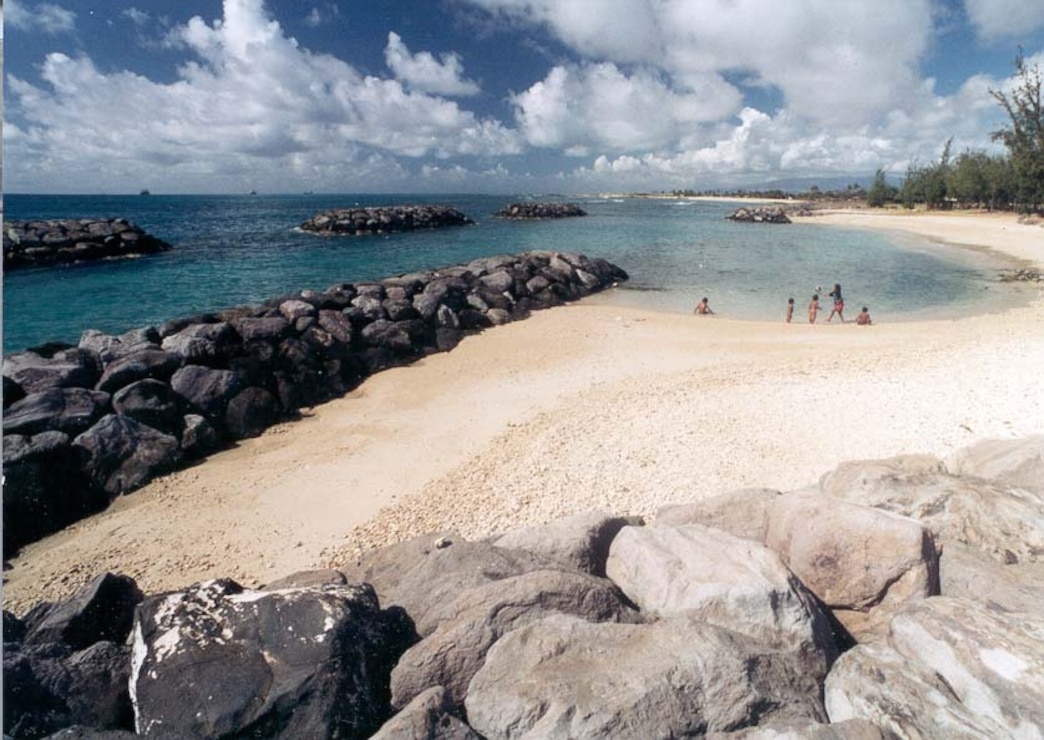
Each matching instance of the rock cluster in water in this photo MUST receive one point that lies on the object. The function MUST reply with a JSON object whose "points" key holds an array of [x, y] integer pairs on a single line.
{"points": [[760, 215], [85, 424], [36, 243], [898, 598], [384, 220], [523, 211]]}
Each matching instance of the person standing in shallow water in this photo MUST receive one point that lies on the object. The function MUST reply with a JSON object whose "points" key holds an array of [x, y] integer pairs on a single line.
{"points": [[703, 308], [790, 309], [813, 309], [839, 303]]}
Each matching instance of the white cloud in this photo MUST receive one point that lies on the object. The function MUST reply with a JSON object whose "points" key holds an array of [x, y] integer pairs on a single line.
{"points": [[136, 16], [839, 61], [597, 106], [424, 73], [318, 16], [617, 30], [253, 106], [997, 19], [44, 17]]}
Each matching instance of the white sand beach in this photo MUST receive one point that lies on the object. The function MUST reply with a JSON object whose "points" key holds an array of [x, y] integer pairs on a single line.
{"points": [[580, 407]]}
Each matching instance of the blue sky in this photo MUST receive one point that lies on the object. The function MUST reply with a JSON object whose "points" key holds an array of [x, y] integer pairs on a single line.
{"points": [[202, 96]]}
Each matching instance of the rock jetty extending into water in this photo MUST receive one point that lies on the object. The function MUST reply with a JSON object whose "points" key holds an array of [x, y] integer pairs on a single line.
{"points": [[760, 215], [85, 424], [37, 243], [898, 598], [523, 211], [384, 220]]}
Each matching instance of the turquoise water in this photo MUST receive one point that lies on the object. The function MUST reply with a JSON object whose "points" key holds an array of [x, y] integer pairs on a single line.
{"points": [[233, 250]]}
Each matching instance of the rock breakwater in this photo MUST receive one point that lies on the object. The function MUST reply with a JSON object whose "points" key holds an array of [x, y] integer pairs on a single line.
{"points": [[896, 598], [384, 220], [760, 215], [85, 424], [38, 243], [524, 211]]}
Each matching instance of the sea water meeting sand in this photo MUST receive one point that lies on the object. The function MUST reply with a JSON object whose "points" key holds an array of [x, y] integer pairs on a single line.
{"points": [[592, 405]]}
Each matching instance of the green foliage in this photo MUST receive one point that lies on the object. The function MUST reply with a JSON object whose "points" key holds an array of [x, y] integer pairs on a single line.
{"points": [[1024, 138], [880, 191]]}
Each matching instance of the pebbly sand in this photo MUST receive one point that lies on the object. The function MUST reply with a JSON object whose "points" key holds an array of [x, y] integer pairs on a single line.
{"points": [[580, 407]]}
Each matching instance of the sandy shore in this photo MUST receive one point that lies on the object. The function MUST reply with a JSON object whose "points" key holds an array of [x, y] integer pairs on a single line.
{"points": [[576, 408]]}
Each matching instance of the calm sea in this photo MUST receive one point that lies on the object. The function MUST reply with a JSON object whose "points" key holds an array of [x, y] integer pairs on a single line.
{"points": [[234, 250]]}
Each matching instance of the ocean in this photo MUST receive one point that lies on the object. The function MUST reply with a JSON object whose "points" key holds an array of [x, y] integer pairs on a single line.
{"points": [[235, 250]]}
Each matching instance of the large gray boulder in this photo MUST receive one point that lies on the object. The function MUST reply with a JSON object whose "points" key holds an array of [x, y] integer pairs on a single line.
{"points": [[734, 583], [581, 541], [951, 668], [207, 390], [742, 513], [969, 574], [1004, 522], [430, 716], [50, 687], [123, 454], [103, 610], [202, 344], [424, 576], [109, 348], [145, 363], [153, 403], [850, 729], [862, 563], [68, 410], [479, 616], [563, 677], [1012, 462], [69, 368], [44, 487], [218, 661]]}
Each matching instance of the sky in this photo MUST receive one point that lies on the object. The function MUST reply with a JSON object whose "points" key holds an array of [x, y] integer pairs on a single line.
{"points": [[497, 96]]}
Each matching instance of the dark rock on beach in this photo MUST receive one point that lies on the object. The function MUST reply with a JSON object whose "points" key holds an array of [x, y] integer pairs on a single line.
{"points": [[38, 243], [760, 215], [526, 211], [123, 409], [384, 220]]}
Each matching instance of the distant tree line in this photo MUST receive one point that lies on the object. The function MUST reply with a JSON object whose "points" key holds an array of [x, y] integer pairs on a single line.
{"points": [[1013, 181]]}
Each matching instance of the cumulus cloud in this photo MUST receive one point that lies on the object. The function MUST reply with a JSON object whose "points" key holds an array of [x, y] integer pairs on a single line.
{"points": [[597, 106], [617, 30], [839, 61], [425, 73], [998, 19], [251, 103], [44, 17]]}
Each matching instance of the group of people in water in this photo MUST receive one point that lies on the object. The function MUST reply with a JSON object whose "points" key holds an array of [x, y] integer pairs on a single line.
{"points": [[863, 319]]}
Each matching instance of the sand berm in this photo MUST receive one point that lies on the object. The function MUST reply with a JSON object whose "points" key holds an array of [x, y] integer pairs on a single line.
{"points": [[581, 407]]}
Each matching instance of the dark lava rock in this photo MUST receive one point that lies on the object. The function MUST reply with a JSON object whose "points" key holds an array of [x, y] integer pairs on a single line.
{"points": [[101, 610], [69, 410], [153, 403], [123, 454], [384, 220], [524, 211]]}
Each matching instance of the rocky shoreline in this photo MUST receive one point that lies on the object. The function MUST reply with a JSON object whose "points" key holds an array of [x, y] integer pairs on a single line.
{"points": [[895, 598], [760, 215], [85, 424], [38, 243], [529, 211], [384, 220]]}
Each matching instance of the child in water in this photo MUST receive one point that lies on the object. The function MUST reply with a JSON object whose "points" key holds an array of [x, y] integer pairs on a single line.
{"points": [[813, 309], [703, 308], [863, 319], [790, 309]]}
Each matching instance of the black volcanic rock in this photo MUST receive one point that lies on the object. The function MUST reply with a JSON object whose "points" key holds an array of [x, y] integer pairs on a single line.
{"points": [[384, 220], [524, 211], [38, 243]]}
